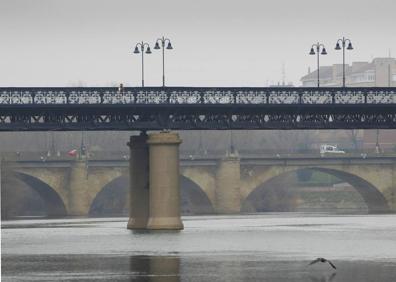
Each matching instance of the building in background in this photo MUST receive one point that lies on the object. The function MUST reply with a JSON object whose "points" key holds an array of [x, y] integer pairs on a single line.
{"points": [[381, 72]]}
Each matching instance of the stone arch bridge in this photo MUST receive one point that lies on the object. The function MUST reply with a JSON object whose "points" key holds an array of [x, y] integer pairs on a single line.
{"points": [[69, 187]]}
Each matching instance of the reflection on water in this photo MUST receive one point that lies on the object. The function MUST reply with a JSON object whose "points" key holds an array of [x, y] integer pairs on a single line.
{"points": [[271, 247], [186, 268], [155, 268], [323, 278], [92, 268]]}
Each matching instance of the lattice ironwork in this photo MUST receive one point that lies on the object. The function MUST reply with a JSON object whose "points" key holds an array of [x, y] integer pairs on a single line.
{"points": [[191, 95], [156, 108]]}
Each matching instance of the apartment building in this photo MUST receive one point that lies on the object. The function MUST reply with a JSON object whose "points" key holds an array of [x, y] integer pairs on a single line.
{"points": [[381, 72]]}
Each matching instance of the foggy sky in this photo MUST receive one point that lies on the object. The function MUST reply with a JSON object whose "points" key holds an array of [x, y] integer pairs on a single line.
{"points": [[216, 43]]}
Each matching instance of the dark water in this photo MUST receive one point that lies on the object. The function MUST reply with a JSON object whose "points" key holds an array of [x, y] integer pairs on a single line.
{"points": [[270, 247]]}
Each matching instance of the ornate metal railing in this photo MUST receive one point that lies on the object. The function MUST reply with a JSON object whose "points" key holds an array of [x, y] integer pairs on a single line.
{"points": [[188, 108], [196, 95]]}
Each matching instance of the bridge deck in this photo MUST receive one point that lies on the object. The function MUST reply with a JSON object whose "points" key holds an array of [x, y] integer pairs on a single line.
{"points": [[188, 108], [213, 161]]}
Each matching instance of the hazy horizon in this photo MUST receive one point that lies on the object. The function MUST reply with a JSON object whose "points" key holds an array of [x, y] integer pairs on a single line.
{"points": [[216, 43]]}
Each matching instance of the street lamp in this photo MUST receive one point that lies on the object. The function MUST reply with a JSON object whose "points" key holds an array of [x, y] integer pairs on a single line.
{"points": [[157, 46], [143, 46], [318, 47], [232, 146], [343, 41]]}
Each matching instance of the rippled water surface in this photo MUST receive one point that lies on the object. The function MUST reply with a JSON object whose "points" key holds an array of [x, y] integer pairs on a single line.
{"points": [[265, 247]]}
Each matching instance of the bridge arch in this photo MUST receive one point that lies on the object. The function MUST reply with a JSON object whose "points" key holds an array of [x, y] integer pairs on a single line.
{"points": [[372, 196], [193, 198], [112, 199], [54, 204]]}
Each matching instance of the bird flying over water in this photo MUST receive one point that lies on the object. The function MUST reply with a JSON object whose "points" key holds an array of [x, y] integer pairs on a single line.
{"points": [[322, 260]]}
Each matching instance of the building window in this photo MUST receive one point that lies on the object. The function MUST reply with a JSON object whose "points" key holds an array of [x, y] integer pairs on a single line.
{"points": [[394, 77]]}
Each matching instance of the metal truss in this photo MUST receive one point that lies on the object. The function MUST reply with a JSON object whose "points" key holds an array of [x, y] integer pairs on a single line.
{"points": [[186, 108]]}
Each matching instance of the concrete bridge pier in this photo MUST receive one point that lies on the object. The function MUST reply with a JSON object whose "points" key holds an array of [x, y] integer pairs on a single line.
{"points": [[164, 181], [228, 195], [138, 182]]}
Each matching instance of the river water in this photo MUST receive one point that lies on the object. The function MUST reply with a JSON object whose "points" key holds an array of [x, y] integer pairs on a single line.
{"points": [[263, 247]]}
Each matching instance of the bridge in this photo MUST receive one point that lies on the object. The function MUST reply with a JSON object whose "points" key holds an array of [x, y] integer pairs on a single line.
{"points": [[189, 108], [71, 187], [154, 163]]}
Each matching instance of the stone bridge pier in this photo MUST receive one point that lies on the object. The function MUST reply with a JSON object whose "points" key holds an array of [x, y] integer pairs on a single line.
{"points": [[228, 183], [154, 182]]}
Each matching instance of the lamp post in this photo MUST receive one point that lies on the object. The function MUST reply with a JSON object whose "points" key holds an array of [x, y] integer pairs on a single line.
{"points": [[377, 145], [143, 46], [160, 43], [200, 146], [318, 47], [232, 146], [343, 42], [82, 147]]}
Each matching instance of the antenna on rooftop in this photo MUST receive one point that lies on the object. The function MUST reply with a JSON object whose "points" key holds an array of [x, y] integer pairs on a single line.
{"points": [[283, 74]]}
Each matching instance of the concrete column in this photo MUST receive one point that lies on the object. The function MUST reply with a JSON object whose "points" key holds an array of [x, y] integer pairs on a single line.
{"points": [[164, 181], [138, 182], [228, 195], [78, 200]]}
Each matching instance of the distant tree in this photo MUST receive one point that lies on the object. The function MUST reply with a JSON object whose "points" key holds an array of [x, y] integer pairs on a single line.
{"points": [[291, 141]]}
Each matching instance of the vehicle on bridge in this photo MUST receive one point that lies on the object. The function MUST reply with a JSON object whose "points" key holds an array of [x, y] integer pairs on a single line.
{"points": [[330, 149]]}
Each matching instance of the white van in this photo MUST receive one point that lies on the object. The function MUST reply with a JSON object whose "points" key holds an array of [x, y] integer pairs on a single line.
{"points": [[330, 149]]}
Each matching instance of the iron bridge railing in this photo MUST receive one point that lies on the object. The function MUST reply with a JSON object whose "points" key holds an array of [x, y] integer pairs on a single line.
{"points": [[195, 95]]}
